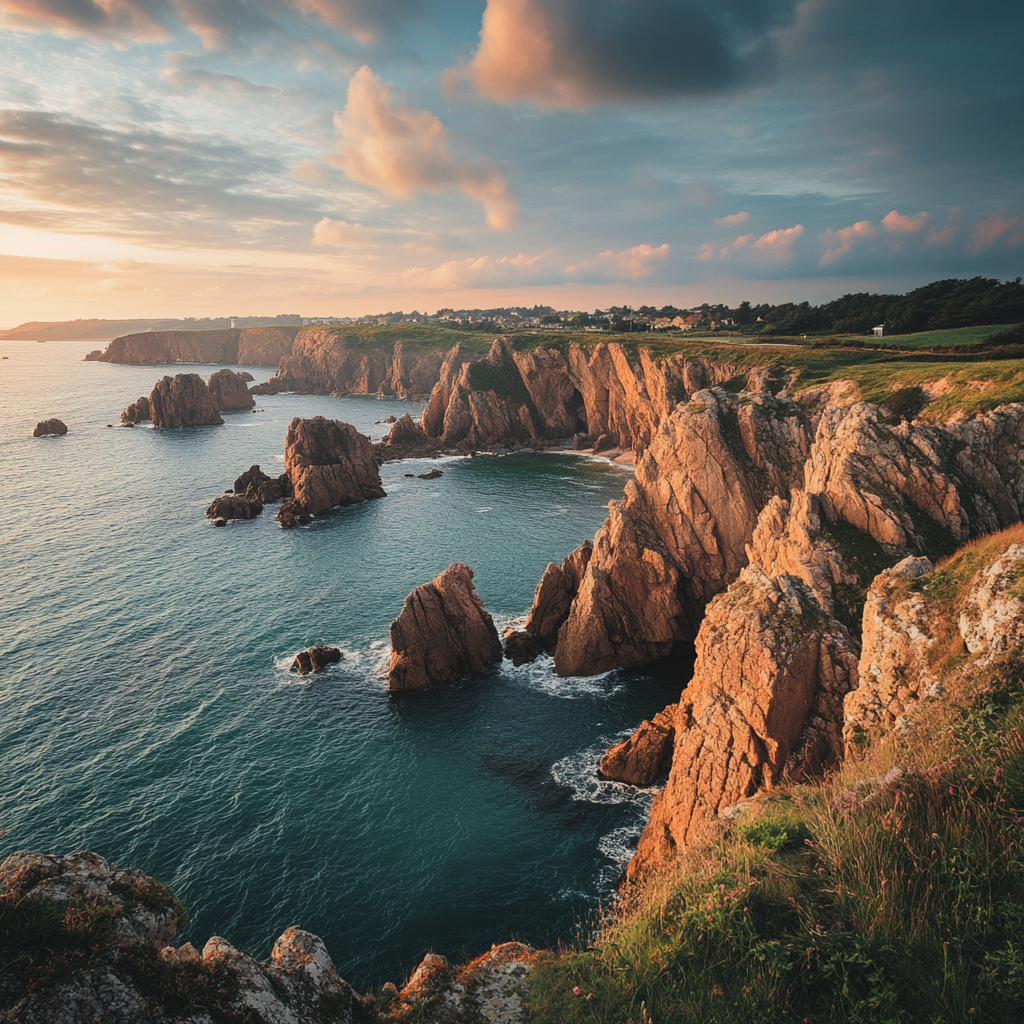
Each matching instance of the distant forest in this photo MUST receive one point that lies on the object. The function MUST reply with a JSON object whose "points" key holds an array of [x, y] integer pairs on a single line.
{"points": [[936, 306]]}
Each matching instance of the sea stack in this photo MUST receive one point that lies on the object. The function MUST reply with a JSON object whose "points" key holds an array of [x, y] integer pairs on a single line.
{"points": [[329, 463], [229, 391], [443, 633], [47, 428]]}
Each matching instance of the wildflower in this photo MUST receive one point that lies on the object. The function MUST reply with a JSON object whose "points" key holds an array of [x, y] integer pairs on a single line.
{"points": [[577, 991], [590, 997]]}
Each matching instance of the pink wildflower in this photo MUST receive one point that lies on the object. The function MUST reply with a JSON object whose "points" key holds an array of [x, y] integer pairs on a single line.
{"points": [[577, 991]]}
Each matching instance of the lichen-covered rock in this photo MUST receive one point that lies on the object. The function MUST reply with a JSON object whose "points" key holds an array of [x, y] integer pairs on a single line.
{"points": [[551, 603], [183, 401], [234, 506], [138, 412], [229, 390], [492, 989], [641, 758], [992, 621], [53, 427], [330, 463], [766, 700], [315, 659], [442, 634], [129, 921]]}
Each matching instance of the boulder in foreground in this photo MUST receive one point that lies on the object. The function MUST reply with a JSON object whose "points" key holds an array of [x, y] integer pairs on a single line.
{"points": [[443, 633], [330, 463], [47, 428]]}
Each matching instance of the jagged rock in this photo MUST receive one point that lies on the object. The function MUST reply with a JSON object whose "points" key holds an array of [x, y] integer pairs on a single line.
{"points": [[405, 433], [255, 484], [137, 412], [315, 659], [434, 474], [52, 427], [551, 603], [91, 357], [229, 391], [329, 463], [640, 759], [183, 401], [292, 514], [393, 419], [246, 376], [234, 506], [992, 621], [603, 444], [679, 536], [766, 699], [443, 633], [493, 989], [130, 920]]}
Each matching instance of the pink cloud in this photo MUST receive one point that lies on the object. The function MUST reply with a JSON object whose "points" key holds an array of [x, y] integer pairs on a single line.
{"points": [[483, 272], [705, 252], [896, 223], [780, 241], [741, 243], [348, 236], [842, 241], [734, 218], [386, 144], [999, 229], [949, 231], [629, 264]]}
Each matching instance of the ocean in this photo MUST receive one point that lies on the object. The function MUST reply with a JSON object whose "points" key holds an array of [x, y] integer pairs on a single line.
{"points": [[147, 710]]}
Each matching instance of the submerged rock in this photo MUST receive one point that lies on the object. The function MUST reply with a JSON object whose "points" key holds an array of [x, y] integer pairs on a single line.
{"points": [[443, 633], [434, 474], [292, 514], [46, 428], [315, 659]]}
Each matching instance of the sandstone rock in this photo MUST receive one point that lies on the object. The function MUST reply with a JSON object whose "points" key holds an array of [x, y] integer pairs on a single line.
{"points": [[292, 514], [679, 536], [640, 759], [52, 427], [256, 485], [246, 376], [183, 401], [229, 391], [765, 700], [329, 463], [603, 444], [315, 659], [551, 603], [137, 412], [215, 346], [234, 506], [442, 634], [92, 357], [405, 433]]}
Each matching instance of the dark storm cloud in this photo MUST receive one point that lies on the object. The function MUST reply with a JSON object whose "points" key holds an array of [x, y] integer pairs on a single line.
{"points": [[573, 54]]}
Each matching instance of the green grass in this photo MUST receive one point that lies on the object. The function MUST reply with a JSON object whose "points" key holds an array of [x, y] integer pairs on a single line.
{"points": [[892, 893], [940, 339]]}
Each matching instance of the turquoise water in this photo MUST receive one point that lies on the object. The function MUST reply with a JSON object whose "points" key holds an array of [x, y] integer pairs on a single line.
{"points": [[147, 713]]}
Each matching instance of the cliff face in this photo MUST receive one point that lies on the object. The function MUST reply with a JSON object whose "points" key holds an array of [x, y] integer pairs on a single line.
{"points": [[217, 346]]}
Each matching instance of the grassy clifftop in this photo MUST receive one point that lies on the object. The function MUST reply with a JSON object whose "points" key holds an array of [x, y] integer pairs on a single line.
{"points": [[893, 894]]}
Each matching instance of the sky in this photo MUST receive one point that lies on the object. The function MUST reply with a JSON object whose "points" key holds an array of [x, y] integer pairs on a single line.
{"points": [[344, 157]]}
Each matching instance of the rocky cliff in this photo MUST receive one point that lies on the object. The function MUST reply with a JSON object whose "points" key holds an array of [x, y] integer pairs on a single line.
{"points": [[253, 346]]}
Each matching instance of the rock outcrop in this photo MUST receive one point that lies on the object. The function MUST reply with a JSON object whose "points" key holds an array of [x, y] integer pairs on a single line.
{"points": [[229, 391], [329, 463], [292, 514], [256, 485], [234, 506], [641, 758], [315, 659], [50, 428], [679, 535], [216, 346], [181, 401], [765, 701], [492, 989], [138, 412], [442, 634], [407, 436], [130, 921], [555, 593]]}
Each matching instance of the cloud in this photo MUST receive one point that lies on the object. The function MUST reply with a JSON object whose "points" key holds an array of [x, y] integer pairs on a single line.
{"points": [[780, 241], [839, 242], [390, 146], [573, 54], [349, 236], [734, 218], [740, 243], [484, 272], [220, 25], [949, 231], [627, 265], [998, 229], [896, 223]]}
